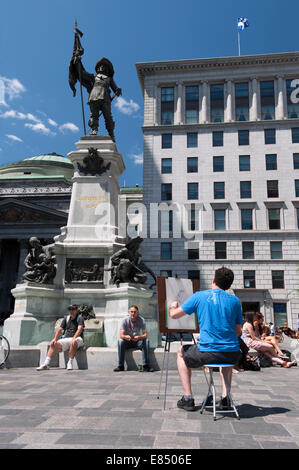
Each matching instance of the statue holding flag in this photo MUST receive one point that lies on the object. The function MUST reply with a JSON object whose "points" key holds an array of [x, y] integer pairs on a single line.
{"points": [[98, 86]]}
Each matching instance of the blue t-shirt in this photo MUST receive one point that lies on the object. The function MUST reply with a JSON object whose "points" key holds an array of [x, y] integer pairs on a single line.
{"points": [[218, 313]]}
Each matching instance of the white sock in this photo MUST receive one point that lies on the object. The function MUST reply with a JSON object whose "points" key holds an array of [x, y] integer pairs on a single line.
{"points": [[47, 361], [70, 361]]}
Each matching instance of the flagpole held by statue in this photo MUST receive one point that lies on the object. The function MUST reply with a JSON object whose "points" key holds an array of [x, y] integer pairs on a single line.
{"points": [[98, 87]]}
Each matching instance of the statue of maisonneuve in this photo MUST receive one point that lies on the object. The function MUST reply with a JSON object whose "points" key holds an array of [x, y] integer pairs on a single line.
{"points": [[98, 86]]}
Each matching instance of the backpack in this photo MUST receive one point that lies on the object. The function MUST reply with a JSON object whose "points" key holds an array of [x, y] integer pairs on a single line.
{"points": [[67, 319]]}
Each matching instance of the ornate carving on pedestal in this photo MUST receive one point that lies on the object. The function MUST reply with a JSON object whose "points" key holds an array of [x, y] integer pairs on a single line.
{"points": [[94, 164], [39, 263], [84, 270]]}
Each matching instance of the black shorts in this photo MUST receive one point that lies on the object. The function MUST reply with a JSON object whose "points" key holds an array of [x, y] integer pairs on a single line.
{"points": [[194, 358]]}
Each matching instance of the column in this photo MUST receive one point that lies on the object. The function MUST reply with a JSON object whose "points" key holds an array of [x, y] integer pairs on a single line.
{"points": [[204, 103], [228, 115], [22, 256], [279, 109], [253, 112]]}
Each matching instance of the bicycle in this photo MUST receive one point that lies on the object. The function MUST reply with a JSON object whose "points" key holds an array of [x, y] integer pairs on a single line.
{"points": [[4, 350]]}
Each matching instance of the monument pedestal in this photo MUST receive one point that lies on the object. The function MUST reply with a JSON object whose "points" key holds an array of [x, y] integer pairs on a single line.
{"points": [[83, 251]]}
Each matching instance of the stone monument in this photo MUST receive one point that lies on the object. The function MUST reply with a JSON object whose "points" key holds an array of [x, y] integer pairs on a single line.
{"points": [[89, 263]]}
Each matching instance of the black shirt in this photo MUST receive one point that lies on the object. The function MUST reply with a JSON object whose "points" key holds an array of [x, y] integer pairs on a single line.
{"points": [[70, 325]]}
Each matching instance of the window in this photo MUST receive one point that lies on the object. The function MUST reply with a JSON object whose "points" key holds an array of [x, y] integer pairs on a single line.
{"points": [[293, 108], [276, 250], [267, 100], [166, 192], [192, 191], [217, 138], [193, 253], [295, 135], [246, 219], [244, 162], [270, 136], [167, 105], [166, 165], [271, 161], [243, 137], [194, 274], [217, 103], [274, 219], [249, 279], [272, 188], [245, 189], [192, 139], [166, 141], [280, 314], [166, 223], [297, 188], [166, 273], [193, 218], [220, 250], [192, 165], [248, 250], [242, 101], [192, 104], [277, 279], [297, 213], [219, 190], [296, 161], [219, 219], [166, 250], [218, 164]]}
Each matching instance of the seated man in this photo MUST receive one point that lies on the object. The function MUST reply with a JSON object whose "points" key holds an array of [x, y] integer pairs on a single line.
{"points": [[72, 325], [130, 338], [220, 321]]}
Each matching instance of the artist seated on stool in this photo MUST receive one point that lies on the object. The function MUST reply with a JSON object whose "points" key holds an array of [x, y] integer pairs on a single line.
{"points": [[220, 321], [130, 338]]}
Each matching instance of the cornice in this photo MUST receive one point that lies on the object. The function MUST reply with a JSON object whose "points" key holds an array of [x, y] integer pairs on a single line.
{"points": [[185, 65]]}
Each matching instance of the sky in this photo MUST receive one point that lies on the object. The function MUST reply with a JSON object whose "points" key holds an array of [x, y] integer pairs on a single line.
{"points": [[38, 113]]}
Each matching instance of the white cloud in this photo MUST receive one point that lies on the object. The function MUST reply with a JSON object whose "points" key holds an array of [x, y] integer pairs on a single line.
{"points": [[39, 127], [11, 87], [52, 123], [126, 107], [14, 138], [17, 115], [138, 158], [68, 126]]}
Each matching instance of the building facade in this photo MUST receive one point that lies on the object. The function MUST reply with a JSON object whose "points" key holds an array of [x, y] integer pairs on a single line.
{"points": [[221, 161]]}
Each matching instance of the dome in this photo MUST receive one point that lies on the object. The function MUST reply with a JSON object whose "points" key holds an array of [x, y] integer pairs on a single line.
{"points": [[48, 165]]}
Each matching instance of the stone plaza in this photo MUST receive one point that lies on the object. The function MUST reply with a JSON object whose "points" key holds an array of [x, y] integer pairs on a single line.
{"points": [[86, 409]]}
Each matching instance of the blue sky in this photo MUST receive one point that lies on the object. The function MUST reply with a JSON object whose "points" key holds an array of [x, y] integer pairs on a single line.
{"points": [[38, 113]]}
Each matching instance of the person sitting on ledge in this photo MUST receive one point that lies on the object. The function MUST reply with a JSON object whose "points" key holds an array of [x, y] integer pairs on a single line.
{"points": [[130, 338], [72, 325]]}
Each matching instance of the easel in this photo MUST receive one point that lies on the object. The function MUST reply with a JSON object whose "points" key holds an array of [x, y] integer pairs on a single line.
{"points": [[167, 351]]}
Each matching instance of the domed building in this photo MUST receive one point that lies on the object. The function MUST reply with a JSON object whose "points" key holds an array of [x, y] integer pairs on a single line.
{"points": [[34, 200]]}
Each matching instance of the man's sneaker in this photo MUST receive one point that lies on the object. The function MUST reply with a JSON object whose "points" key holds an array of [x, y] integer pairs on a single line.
{"points": [[224, 404], [69, 366], [147, 368], [43, 367], [187, 405], [209, 401], [119, 369]]}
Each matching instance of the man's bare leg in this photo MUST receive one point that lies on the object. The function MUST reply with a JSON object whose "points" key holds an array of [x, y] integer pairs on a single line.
{"points": [[184, 373]]}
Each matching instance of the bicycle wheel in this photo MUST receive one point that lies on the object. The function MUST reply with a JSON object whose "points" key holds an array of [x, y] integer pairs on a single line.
{"points": [[4, 349]]}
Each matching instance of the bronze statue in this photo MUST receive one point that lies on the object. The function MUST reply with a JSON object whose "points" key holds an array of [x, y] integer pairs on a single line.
{"points": [[127, 266], [40, 263], [94, 164], [98, 86]]}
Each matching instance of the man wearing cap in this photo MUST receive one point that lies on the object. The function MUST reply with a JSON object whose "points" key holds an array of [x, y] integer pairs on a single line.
{"points": [[72, 325]]}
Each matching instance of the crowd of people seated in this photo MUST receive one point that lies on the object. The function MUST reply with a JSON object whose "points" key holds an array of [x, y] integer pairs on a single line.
{"points": [[261, 337]]}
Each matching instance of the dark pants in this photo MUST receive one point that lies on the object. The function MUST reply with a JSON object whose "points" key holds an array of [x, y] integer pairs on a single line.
{"points": [[143, 345], [105, 107]]}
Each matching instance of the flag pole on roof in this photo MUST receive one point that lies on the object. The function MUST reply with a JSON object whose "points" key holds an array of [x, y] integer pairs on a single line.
{"points": [[242, 24]]}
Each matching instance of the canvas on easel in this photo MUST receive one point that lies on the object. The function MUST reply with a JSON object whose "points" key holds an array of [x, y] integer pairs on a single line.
{"points": [[173, 289]]}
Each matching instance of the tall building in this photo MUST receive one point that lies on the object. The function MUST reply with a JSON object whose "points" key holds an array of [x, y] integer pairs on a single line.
{"points": [[221, 152]]}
